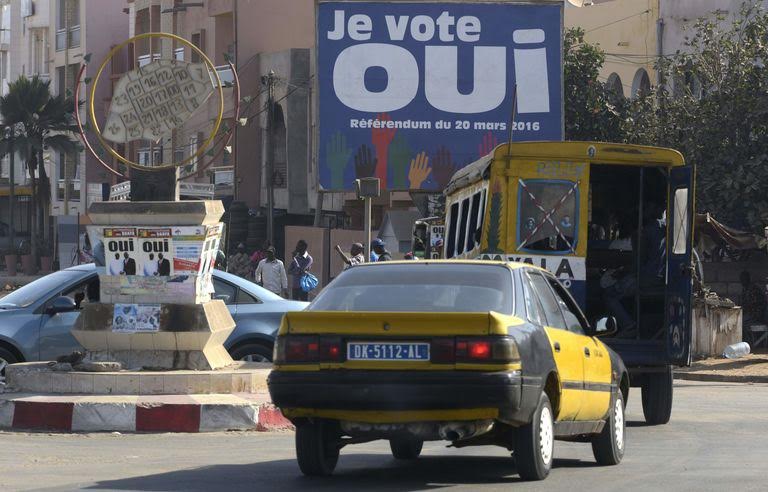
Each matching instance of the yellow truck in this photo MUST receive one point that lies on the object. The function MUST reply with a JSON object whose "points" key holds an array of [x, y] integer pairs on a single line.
{"points": [[612, 222]]}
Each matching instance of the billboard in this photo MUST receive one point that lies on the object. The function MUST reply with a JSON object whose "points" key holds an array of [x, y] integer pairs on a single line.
{"points": [[412, 92]]}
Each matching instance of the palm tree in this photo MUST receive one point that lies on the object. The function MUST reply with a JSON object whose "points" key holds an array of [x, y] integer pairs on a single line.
{"points": [[39, 121]]}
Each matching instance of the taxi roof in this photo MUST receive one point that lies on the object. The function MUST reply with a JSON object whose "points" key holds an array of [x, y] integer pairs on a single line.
{"points": [[513, 265]]}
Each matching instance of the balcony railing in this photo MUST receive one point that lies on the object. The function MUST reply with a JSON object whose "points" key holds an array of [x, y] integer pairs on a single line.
{"points": [[72, 41], [74, 190]]}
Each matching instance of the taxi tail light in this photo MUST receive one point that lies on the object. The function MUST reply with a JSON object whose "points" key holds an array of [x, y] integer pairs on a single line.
{"points": [[297, 349], [331, 349], [487, 349]]}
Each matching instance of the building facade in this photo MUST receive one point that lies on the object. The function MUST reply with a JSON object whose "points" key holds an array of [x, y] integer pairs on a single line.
{"points": [[635, 33]]}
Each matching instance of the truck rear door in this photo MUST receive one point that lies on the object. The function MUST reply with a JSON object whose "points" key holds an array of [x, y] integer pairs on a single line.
{"points": [[679, 291]]}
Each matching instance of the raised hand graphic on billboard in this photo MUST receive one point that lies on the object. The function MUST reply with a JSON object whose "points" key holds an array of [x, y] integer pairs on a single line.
{"points": [[487, 145], [399, 160], [337, 158], [365, 163], [443, 167], [419, 170], [381, 138]]}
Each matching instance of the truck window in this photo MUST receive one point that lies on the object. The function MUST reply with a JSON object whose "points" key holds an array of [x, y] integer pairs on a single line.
{"points": [[680, 223], [450, 235], [462, 232], [473, 219], [547, 215]]}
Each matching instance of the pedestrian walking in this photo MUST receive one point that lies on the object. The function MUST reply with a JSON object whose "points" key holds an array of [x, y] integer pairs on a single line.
{"points": [[240, 263], [301, 264], [378, 247], [356, 255], [270, 274], [260, 254]]}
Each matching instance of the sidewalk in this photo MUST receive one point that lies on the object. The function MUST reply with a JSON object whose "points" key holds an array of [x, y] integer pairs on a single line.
{"points": [[752, 368]]}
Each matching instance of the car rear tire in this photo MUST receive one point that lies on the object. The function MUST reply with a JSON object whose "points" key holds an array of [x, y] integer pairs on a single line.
{"points": [[317, 448], [406, 448], [253, 352], [657, 397], [535, 443], [608, 446]]}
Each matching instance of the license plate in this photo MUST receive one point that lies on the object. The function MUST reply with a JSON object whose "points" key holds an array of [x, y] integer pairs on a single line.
{"points": [[387, 351]]}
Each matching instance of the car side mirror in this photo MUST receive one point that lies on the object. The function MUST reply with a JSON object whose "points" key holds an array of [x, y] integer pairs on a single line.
{"points": [[606, 327], [62, 304]]}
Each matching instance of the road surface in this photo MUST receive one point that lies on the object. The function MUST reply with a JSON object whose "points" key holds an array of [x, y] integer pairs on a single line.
{"points": [[717, 440]]}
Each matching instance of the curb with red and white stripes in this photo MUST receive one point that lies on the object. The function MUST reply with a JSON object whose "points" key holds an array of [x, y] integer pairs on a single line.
{"points": [[161, 413]]}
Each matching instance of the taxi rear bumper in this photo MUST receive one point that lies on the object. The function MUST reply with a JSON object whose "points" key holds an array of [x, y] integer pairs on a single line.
{"points": [[396, 390]]}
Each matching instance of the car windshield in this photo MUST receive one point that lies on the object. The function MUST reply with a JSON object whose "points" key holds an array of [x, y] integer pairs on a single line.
{"points": [[419, 287], [31, 292]]}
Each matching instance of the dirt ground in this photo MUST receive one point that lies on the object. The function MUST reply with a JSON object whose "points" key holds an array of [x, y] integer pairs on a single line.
{"points": [[752, 365]]}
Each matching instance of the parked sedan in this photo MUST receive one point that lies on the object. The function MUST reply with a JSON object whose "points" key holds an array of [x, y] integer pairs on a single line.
{"points": [[35, 322]]}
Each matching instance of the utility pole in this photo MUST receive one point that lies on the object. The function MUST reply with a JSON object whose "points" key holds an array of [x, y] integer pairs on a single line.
{"points": [[270, 79], [12, 192], [67, 13]]}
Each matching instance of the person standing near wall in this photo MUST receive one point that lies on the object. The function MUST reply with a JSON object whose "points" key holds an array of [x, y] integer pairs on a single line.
{"points": [[301, 264], [356, 255], [240, 263], [378, 247], [270, 274]]}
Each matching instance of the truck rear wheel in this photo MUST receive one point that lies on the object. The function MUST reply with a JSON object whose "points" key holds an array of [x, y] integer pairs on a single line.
{"points": [[317, 447], [657, 397]]}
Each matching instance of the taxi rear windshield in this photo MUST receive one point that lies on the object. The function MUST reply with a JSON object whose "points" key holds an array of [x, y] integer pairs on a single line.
{"points": [[419, 287]]}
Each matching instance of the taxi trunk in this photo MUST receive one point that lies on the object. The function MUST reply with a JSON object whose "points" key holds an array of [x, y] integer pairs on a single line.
{"points": [[313, 340]]}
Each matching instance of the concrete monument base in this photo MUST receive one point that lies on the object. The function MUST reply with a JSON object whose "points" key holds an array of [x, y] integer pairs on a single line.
{"points": [[39, 377], [236, 398], [189, 336]]}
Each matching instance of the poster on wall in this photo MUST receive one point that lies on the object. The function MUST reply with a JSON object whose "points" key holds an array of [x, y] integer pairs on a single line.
{"points": [[136, 318], [187, 248], [155, 252], [120, 250], [412, 92]]}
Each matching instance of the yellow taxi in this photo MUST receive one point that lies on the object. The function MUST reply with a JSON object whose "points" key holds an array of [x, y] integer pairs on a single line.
{"points": [[470, 352]]}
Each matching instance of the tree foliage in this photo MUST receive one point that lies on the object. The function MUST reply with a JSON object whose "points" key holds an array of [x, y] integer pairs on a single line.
{"points": [[714, 109], [36, 121], [712, 106], [592, 112]]}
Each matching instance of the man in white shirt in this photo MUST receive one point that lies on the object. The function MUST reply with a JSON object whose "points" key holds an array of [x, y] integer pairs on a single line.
{"points": [[116, 266], [150, 267], [270, 274]]}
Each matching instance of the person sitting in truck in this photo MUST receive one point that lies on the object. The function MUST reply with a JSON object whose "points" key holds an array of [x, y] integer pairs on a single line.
{"points": [[625, 281]]}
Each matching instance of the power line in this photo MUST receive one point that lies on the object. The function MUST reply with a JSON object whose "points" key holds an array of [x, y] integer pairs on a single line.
{"points": [[619, 20]]}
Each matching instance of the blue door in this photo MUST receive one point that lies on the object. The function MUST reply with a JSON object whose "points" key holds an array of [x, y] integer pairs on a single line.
{"points": [[678, 301]]}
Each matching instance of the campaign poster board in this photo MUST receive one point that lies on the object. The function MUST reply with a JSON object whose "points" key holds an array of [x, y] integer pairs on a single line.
{"points": [[136, 318], [411, 92], [156, 264]]}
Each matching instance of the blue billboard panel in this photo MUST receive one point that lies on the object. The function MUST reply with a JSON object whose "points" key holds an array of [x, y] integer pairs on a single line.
{"points": [[412, 92]]}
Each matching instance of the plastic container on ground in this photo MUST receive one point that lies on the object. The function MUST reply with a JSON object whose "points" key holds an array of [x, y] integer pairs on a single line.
{"points": [[736, 350]]}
